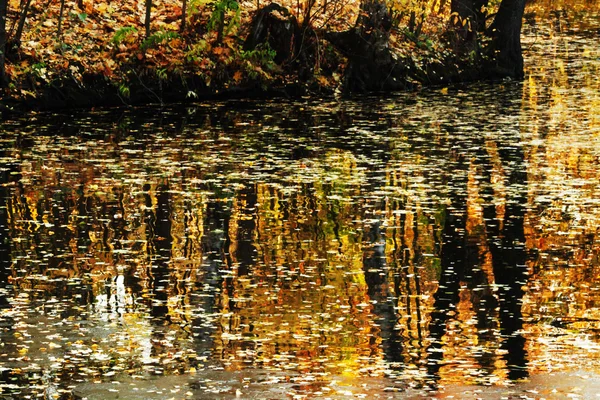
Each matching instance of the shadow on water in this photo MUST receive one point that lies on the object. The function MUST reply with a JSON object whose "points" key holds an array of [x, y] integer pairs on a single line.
{"points": [[8, 174], [376, 276], [496, 292]]}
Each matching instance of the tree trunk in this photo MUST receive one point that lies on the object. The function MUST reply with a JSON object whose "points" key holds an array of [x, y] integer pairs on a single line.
{"points": [[371, 64], [220, 27], [60, 18], [147, 20], [15, 42], [183, 16], [3, 10], [505, 31], [276, 26]]}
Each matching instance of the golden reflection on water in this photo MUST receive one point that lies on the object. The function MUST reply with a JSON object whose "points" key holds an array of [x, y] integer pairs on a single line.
{"points": [[561, 303], [460, 249]]}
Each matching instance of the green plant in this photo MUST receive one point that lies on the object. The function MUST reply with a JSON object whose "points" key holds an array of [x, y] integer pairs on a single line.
{"points": [[262, 55], [158, 38], [122, 33], [161, 73], [257, 62], [124, 90], [197, 51], [194, 5], [216, 21], [39, 70]]}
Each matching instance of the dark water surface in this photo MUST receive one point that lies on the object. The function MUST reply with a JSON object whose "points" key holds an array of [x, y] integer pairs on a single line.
{"points": [[432, 244]]}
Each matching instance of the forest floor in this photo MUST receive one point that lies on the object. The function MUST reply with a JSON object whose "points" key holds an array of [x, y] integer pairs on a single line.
{"points": [[99, 53], [102, 46]]}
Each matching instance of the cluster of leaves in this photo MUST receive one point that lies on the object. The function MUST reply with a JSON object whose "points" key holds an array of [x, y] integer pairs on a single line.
{"points": [[201, 38], [100, 39]]}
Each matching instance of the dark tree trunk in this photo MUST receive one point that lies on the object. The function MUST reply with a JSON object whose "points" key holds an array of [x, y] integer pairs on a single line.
{"points": [[277, 27], [147, 19], [505, 31], [372, 65], [60, 18], [183, 16], [220, 28], [16, 41], [3, 9]]}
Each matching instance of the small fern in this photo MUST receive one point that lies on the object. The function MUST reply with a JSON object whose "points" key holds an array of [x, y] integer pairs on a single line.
{"points": [[124, 90], [122, 33], [158, 38]]}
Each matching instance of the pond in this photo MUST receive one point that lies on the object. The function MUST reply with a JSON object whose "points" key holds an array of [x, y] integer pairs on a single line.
{"points": [[442, 243]]}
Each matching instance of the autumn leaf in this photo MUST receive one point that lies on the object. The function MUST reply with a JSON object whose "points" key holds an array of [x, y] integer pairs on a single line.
{"points": [[107, 71], [237, 77], [101, 7], [124, 56]]}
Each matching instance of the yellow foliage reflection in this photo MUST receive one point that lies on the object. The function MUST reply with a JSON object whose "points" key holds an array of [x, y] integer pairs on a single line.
{"points": [[429, 240]]}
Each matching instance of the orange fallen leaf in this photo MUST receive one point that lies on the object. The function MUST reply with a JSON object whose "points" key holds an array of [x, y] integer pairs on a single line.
{"points": [[237, 77], [107, 71]]}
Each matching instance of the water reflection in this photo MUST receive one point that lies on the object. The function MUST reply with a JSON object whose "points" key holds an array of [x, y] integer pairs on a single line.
{"points": [[368, 247]]}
